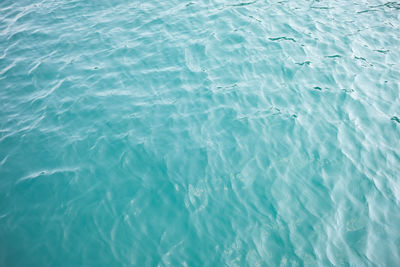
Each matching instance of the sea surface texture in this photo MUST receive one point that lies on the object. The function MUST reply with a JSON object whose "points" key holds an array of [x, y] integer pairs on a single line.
{"points": [[199, 133]]}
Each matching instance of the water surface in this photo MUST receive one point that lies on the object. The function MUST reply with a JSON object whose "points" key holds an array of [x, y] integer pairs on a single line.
{"points": [[199, 133]]}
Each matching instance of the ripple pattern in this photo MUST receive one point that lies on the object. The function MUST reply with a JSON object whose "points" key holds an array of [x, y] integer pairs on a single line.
{"points": [[199, 133]]}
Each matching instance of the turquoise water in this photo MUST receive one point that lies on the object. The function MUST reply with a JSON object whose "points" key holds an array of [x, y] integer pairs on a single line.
{"points": [[202, 133]]}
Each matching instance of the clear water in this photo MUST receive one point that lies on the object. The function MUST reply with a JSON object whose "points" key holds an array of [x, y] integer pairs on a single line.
{"points": [[202, 133]]}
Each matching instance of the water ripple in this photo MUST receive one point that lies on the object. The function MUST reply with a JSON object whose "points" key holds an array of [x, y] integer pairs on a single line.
{"points": [[199, 133]]}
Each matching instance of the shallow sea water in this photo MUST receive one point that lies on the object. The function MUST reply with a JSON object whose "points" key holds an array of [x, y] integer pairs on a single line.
{"points": [[199, 133]]}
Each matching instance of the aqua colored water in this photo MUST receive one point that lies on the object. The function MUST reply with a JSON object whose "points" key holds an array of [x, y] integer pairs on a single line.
{"points": [[202, 133]]}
